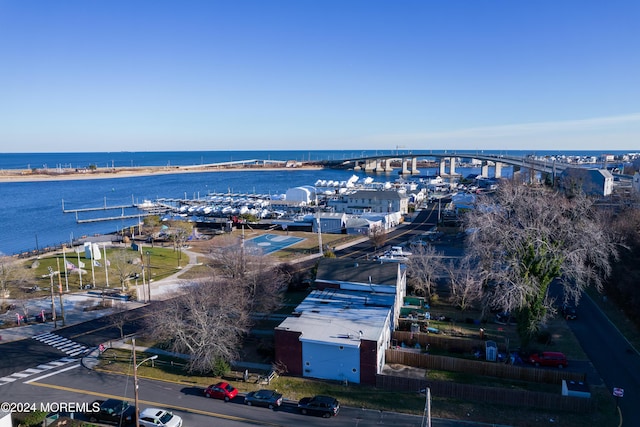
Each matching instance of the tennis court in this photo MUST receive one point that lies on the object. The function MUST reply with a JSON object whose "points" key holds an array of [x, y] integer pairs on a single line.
{"points": [[269, 243]]}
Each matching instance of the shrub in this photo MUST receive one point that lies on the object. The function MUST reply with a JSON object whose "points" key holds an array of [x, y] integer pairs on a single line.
{"points": [[29, 419], [220, 367]]}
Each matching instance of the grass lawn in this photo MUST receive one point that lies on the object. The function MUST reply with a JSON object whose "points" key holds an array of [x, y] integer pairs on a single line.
{"points": [[163, 263]]}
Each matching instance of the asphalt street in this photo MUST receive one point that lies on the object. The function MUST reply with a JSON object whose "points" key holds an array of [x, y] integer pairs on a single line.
{"points": [[74, 383], [617, 363]]}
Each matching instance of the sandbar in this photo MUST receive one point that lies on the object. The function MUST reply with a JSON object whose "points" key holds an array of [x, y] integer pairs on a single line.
{"points": [[25, 175]]}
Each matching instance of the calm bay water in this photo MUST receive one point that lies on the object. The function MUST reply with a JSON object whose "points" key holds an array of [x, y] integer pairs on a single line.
{"points": [[31, 212]]}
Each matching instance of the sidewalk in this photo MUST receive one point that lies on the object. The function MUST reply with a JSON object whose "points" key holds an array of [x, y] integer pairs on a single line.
{"points": [[92, 359]]}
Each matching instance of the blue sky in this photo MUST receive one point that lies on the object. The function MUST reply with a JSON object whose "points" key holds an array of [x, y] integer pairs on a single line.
{"points": [[159, 75]]}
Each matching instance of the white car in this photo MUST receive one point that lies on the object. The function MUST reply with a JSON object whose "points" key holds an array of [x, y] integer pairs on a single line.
{"points": [[155, 417]]}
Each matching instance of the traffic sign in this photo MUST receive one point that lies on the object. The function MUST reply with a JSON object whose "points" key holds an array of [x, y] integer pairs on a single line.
{"points": [[618, 392]]}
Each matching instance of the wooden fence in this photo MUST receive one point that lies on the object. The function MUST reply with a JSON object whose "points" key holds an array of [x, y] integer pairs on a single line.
{"points": [[488, 394], [477, 367], [446, 343]]}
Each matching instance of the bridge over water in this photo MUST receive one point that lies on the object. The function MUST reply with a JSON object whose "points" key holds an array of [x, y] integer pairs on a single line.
{"points": [[447, 163]]}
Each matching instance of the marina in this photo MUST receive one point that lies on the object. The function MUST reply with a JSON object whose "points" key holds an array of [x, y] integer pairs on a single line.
{"points": [[34, 220]]}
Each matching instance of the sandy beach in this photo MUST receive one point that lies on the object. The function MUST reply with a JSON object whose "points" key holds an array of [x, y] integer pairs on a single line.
{"points": [[25, 175]]}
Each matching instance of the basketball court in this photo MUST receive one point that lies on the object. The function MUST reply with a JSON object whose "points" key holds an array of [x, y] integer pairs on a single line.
{"points": [[269, 243]]}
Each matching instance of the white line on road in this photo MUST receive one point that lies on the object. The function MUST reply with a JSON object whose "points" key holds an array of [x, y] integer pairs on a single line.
{"points": [[52, 373]]}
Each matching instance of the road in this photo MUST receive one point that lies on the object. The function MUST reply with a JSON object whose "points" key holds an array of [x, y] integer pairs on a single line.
{"points": [[617, 363], [74, 383]]}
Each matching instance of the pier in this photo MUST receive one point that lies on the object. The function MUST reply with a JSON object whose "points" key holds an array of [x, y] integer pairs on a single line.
{"points": [[99, 208], [112, 218]]}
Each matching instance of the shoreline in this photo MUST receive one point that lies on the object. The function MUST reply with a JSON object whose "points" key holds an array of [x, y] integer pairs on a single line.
{"points": [[22, 175]]}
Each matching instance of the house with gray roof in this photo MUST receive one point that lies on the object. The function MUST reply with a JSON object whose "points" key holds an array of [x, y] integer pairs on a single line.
{"points": [[593, 182]]}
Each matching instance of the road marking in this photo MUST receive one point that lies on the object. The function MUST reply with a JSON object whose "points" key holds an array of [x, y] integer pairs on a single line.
{"points": [[63, 344], [154, 404], [31, 371], [52, 373]]}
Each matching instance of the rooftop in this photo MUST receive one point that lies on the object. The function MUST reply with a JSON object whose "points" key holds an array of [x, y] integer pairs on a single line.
{"points": [[340, 317], [361, 271]]}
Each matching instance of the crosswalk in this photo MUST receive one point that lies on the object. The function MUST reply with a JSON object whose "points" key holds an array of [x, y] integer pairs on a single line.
{"points": [[17, 376], [63, 344]]}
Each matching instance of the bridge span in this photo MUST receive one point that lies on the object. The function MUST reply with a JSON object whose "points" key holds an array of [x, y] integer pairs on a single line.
{"points": [[447, 163]]}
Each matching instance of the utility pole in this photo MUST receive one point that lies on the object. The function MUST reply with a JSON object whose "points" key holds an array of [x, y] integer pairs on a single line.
{"points": [[135, 377], [426, 418], [149, 274], [60, 292], [321, 252], [53, 302]]}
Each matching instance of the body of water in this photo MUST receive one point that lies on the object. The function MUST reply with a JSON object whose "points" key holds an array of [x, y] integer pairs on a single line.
{"points": [[31, 212]]}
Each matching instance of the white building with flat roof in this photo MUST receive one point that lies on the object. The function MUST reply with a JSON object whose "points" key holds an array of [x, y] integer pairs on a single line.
{"points": [[337, 334]]}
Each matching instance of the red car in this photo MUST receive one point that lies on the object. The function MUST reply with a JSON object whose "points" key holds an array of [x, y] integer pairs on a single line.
{"points": [[221, 390], [549, 358]]}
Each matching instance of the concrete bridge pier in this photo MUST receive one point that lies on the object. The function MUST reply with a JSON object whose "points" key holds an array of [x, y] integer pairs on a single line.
{"points": [[370, 165], [443, 166], [414, 166], [484, 170], [498, 173], [387, 166], [405, 168]]}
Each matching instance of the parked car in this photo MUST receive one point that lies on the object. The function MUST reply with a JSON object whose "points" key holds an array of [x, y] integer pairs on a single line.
{"points": [[319, 405], [113, 411], [221, 390], [153, 417], [268, 398], [549, 358], [568, 312]]}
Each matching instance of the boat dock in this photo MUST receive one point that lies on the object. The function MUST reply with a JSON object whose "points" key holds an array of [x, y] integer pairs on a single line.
{"points": [[142, 211], [112, 218], [99, 208]]}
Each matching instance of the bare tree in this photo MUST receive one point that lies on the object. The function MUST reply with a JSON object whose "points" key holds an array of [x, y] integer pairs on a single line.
{"points": [[228, 255], [263, 278], [207, 322], [120, 317], [378, 236], [524, 238], [12, 272], [423, 268], [179, 232], [125, 263], [465, 284], [151, 227]]}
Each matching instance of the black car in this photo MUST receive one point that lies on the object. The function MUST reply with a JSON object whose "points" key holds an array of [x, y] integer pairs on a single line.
{"points": [[268, 398], [319, 405], [113, 411]]}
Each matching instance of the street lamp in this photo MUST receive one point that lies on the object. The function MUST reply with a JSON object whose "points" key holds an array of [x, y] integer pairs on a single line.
{"points": [[135, 377]]}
